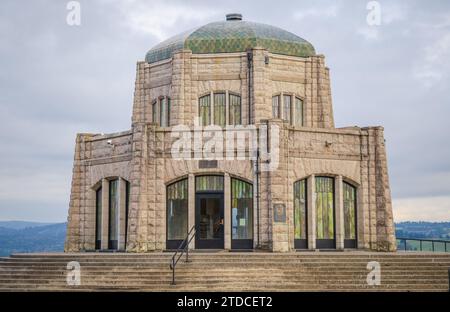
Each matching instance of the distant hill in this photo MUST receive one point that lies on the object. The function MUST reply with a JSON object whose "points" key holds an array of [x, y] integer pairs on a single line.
{"points": [[21, 236], [34, 237], [431, 230], [18, 225]]}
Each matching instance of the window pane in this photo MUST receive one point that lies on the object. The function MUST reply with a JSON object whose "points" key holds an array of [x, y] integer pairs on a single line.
{"points": [[219, 109], [98, 217], [163, 112], [325, 207], [349, 211], [113, 210], [204, 110], [168, 113], [154, 112], [300, 209], [241, 210], [276, 106], [177, 210], [287, 107], [209, 183], [298, 112], [235, 109]]}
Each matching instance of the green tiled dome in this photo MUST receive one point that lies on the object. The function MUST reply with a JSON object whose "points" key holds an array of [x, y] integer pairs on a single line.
{"points": [[232, 35]]}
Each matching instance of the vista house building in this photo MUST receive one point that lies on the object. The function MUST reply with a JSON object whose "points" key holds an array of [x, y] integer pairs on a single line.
{"points": [[314, 186]]}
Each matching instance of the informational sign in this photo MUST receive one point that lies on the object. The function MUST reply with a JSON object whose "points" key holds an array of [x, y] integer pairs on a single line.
{"points": [[279, 213]]}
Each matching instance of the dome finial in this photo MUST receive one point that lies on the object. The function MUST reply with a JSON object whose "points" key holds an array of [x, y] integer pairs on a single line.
{"points": [[234, 17]]}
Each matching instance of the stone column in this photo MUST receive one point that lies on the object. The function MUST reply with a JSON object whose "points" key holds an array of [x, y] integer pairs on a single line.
{"points": [[191, 206], [122, 213], [227, 211], [311, 211], [339, 213], [105, 214]]}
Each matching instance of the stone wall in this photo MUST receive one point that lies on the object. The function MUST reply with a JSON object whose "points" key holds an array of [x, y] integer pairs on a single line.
{"points": [[142, 156]]}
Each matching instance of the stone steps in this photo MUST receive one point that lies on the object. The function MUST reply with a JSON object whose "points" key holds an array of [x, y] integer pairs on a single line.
{"points": [[221, 271]]}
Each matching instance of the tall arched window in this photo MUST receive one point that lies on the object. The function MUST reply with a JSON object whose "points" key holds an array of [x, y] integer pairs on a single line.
{"points": [[235, 110], [111, 213], [164, 111], [298, 112], [154, 112], [325, 212], [113, 230], [276, 106], [98, 218], [300, 227], [349, 215], [177, 213], [241, 214], [287, 107], [204, 110], [220, 109]]}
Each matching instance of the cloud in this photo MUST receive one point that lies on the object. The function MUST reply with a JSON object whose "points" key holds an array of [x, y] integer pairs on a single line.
{"points": [[434, 64], [161, 18], [317, 12], [57, 80], [422, 209]]}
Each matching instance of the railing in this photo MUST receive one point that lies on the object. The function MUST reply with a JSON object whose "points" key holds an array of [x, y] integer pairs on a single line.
{"points": [[417, 244], [183, 248]]}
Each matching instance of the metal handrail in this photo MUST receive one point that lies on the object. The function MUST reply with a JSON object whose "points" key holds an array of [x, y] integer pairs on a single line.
{"points": [[420, 240], [184, 247]]}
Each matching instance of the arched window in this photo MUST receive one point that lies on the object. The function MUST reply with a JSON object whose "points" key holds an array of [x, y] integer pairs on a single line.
{"points": [[241, 214], [204, 110], [276, 106], [325, 212], [298, 112], [98, 218], [349, 215], [111, 213], [220, 109], [235, 110], [113, 230], [177, 213], [300, 227], [164, 111], [287, 107], [154, 112]]}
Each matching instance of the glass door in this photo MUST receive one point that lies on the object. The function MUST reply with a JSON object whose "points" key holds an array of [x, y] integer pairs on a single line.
{"points": [[209, 221], [241, 214]]}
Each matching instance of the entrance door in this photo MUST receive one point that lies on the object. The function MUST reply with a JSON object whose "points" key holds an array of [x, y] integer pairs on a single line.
{"points": [[209, 221]]}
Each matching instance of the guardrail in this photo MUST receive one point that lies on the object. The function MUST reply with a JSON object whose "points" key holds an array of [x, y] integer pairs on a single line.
{"points": [[419, 244], [183, 248]]}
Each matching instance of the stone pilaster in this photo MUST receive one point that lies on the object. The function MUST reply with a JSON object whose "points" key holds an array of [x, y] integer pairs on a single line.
{"points": [[227, 211], [139, 94], [339, 212], [139, 239], [385, 224], [260, 93], [311, 211], [278, 188], [72, 242], [191, 206]]}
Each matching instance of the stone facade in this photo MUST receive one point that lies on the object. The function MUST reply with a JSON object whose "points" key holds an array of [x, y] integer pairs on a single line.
{"points": [[142, 155]]}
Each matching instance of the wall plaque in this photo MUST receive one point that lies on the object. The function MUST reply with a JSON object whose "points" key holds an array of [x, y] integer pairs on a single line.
{"points": [[279, 213], [204, 164]]}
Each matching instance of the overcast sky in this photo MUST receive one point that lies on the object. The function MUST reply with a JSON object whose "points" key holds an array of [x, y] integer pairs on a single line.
{"points": [[57, 80]]}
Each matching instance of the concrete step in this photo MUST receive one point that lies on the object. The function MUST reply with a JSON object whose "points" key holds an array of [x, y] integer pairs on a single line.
{"points": [[223, 271]]}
